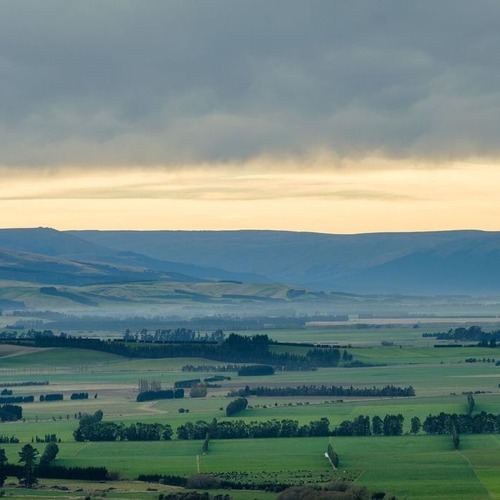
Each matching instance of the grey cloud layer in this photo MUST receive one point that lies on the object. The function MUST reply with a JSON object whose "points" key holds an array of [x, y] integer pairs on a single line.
{"points": [[153, 82]]}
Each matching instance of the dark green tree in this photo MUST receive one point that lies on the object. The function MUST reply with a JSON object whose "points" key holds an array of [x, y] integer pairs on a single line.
{"points": [[28, 456], [3, 463], [377, 425], [455, 438], [236, 406], [332, 455], [319, 427], [361, 426], [49, 454], [393, 425], [416, 425], [204, 448], [470, 403]]}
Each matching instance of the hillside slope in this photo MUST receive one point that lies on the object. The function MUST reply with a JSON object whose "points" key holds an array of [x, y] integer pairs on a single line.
{"points": [[451, 262], [113, 261], [35, 268]]}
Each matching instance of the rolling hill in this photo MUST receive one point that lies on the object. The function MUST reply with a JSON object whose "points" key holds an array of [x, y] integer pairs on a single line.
{"points": [[48, 256], [429, 263], [446, 262]]}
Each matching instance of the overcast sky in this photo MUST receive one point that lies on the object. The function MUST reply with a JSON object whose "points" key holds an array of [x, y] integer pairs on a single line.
{"points": [[183, 99]]}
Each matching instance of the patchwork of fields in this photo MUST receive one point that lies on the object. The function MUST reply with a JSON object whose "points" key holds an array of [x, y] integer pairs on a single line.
{"points": [[407, 466]]}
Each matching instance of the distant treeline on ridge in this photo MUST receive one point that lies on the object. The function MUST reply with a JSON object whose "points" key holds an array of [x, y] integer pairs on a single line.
{"points": [[234, 348], [473, 333]]}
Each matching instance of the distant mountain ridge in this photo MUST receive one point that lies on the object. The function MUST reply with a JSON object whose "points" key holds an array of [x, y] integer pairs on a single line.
{"points": [[425, 263], [54, 257], [16, 265], [441, 262]]}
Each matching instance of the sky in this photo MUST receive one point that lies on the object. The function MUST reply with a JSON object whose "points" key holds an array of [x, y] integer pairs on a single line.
{"points": [[319, 115]]}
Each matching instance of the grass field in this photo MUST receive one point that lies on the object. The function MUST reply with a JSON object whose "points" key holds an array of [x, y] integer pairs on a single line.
{"points": [[410, 467]]}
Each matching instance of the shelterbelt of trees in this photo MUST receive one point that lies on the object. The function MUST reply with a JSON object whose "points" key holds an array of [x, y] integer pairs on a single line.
{"points": [[471, 334], [465, 423], [234, 349], [41, 398], [90, 430], [323, 390]]}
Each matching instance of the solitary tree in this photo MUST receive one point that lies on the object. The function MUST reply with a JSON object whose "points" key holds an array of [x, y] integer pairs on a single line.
{"points": [[470, 403], [332, 455], [455, 438], [28, 456], [198, 391], [204, 448], [49, 454], [236, 406]]}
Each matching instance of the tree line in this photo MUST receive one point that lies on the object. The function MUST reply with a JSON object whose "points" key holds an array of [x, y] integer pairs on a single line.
{"points": [[211, 368], [91, 427], [239, 429], [465, 423], [443, 423], [390, 425], [161, 394], [29, 468], [42, 398], [186, 384], [173, 335], [235, 349], [473, 333], [23, 384], [112, 431], [323, 390], [51, 397], [8, 439], [79, 395], [16, 399], [255, 370]]}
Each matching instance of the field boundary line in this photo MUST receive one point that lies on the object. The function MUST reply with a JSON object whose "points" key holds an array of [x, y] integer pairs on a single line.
{"points": [[81, 448], [469, 463], [150, 406], [358, 478]]}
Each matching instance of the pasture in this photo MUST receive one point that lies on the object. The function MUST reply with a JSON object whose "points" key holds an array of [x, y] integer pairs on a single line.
{"points": [[407, 466]]}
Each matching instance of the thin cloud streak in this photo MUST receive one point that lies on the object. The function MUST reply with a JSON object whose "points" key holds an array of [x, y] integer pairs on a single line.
{"points": [[217, 185]]}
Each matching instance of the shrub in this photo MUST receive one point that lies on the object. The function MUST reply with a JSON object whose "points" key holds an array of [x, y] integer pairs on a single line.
{"points": [[204, 481], [198, 391]]}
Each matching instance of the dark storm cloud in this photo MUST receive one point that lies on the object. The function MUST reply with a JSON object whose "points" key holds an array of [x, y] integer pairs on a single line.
{"points": [[154, 82]]}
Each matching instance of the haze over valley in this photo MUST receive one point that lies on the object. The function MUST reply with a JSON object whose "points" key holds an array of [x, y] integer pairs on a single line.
{"points": [[251, 273]]}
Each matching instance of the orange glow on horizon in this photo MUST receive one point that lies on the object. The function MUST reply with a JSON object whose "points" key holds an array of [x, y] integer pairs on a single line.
{"points": [[370, 195]]}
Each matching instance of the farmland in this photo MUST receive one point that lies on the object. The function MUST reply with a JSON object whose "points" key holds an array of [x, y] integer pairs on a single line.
{"points": [[407, 466]]}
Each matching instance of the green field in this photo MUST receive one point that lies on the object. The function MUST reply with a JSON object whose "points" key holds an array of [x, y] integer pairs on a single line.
{"points": [[407, 466]]}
